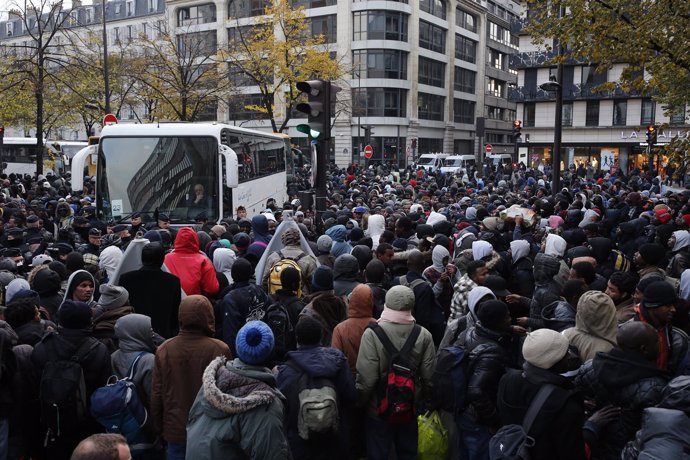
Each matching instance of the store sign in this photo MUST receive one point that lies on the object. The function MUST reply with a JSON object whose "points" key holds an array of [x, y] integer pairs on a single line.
{"points": [[607, 159], [662, 135]]}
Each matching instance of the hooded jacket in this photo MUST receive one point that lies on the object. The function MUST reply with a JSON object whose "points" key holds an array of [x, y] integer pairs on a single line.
{"points": [[626, 380], [546, 290], [338, 234], [237, 415], [109, 260], [317, 363], [375, 227], [346, 274], [260, 229], [47, 284], [521, 280], [348, 334], [222, 261], [681, 258], [596, 325], [72, 285], [179, 365], [556, 246], [329, 309], [195, 270], [135, 337]]}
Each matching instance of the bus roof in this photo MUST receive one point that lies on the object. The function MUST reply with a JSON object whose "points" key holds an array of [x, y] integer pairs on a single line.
{"points": [[19, 140], [178, 129]]}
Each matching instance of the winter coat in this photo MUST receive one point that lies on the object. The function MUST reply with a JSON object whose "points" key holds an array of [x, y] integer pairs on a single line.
{"points": [[104, 326], [427, 311], [317, 363], [626, 380], [375, 227], [558, 428], [223, 259], [673, 345], [521, 279], [8, 368], [245, 300], [327, 308], [559, 315], [595, 328], [32, 332], [260, 230], [489, 358], [47, 284], [546, 289], [458, 305], [156, 294], [194, 269], [373, 362], [135, 337], [346, 274], [179, 365], [237, 415], [348, 334], [338, 234], [72, 285]]}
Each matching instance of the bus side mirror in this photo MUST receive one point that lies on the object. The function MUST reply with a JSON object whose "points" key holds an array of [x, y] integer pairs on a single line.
{"points": [[78, 164], [231, 166]]}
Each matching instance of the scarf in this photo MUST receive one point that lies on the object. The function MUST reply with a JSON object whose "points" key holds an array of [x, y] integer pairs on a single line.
{"points": [[396, 316]]}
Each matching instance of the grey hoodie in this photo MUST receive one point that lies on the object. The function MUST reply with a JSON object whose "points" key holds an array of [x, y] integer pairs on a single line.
{"points": [[135, 336], [345, 274]]}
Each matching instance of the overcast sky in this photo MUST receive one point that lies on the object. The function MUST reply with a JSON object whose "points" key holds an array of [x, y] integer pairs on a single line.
{"points": [[5, 5]]}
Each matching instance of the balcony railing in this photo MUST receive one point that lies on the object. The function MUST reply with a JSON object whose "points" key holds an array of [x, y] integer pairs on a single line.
{"points": [[570, 93]]}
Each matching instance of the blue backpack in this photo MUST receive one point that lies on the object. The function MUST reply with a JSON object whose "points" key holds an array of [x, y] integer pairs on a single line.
{"points": [[118, 407]]}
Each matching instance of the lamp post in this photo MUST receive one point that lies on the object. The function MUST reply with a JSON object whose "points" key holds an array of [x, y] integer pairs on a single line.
{"points": [[106, 76], [555, 85]]}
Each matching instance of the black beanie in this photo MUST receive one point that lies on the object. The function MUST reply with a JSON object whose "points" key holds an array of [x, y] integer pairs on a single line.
{"points": [[241, 270], [492, 313], [74, 315], [308, 331], [152, 255], [652, 253], [46, 282], [322, 279], [658, 294], [290, 279]]}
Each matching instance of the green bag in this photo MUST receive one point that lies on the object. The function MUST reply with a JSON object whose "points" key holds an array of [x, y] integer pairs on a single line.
{"points": [[433, 437]]}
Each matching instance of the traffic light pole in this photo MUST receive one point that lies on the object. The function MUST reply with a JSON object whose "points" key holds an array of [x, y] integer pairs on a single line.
{"points": [[321, 178]]}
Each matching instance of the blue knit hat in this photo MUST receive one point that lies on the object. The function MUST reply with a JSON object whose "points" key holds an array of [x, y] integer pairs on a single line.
{"points": [[254, 343]]}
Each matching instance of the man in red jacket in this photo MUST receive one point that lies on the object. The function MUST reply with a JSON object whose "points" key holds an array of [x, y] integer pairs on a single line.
{"points": [[195, 270]]}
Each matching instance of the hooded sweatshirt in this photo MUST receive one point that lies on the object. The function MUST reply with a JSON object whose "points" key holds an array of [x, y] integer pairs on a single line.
{"points": [[682, 240], [519, 249], [685, 284], [72, 285], [375, 227], [222, 261], [596, 325], [555, 245], [195, 270], [338, 234], [348, 334], [260, 229], [110, 258], [481, 249], [345, 274], [135, 337]]}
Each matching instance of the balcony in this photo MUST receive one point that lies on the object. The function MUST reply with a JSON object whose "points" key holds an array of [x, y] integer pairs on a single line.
{"points": [[531, 59], [571, 92]]}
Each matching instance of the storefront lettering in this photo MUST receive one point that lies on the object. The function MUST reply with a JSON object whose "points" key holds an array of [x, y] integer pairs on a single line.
{"points": [[667, 135]]}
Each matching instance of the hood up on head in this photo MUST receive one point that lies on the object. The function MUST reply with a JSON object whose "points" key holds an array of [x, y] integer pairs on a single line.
{"points": [[196, 316], [555, 245], [134, 333], [519, 249]]}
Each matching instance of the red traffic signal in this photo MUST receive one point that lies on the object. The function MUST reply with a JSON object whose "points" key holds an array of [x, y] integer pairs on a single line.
{"points": [[651, 134], [517, 124]]}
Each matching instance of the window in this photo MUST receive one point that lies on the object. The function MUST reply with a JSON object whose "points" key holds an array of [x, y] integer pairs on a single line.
{"points": [[498, 60], [430, 106], [238, 107], [466, 20], [247, 8], [198, 44], [379, 63], [620, 112], [463, 111], [130, 8], [567, 114], [380, 25], [326, 26], [465, 80], [496, 87], [432, 37], [89, 15], [153, 5], [678, 116], [118, 9], [237, 35], [380, 102], [499, 113], [116, 35], [590, 77], [10, 28], [495, 138], [528, 114], [307, 4], [130, 33], [592, 114], [435, 7], [432, 72], [465, 49], [498, 33], [238, 77], [647, 117], [201, 14]]}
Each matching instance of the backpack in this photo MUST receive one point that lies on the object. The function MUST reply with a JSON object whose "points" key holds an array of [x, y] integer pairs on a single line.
{"points": [[278, 319], [403, 282], [62, 392], [257, 306], [513, 442], [317, 415], [450, 379], [117, 406], [396, 392], [274, 273]]}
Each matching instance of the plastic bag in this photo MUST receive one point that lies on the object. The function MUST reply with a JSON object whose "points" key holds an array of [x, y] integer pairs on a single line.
{"points": [[515, 210], [433, 437]]}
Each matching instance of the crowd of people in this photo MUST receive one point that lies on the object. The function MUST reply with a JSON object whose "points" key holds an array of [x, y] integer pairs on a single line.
{"points": [[296, 334]]}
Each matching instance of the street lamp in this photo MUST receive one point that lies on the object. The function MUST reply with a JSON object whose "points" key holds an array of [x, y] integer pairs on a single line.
{"points": [[554, 85], [106, 76]]}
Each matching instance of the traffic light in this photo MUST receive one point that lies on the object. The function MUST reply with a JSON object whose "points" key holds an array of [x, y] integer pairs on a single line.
{"points": [[651, 135], [2, 134], [517, 130], [318, 109]]}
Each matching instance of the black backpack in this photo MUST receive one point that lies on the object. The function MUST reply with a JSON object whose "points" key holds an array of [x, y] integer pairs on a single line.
{"points": [[63, 398], [278, 319], [396, 391]]}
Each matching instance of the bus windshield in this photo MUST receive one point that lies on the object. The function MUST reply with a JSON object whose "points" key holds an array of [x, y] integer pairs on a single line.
{"points": [[174, 175]]}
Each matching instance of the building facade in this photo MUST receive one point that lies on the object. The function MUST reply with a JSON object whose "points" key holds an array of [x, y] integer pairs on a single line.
{"points": [[605, 128]]}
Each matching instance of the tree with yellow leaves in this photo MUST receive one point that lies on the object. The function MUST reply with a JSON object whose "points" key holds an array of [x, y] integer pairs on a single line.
{"points": [[276, 52]]}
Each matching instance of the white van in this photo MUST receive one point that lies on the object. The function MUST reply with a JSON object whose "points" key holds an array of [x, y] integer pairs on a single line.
{"points": [[458, 164], [497, 158], [430, 161]]}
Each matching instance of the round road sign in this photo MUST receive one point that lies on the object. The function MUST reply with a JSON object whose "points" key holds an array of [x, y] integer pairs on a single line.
{"points": [[109, 119], [489, 148], [368, 152]]}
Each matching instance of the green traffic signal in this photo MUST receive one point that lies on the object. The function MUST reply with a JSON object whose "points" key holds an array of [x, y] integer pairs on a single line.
{"points": [[312, 133]]}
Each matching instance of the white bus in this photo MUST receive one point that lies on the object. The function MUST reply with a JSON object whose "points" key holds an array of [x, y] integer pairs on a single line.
{"points": [[184, 170], [18, 155]]}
